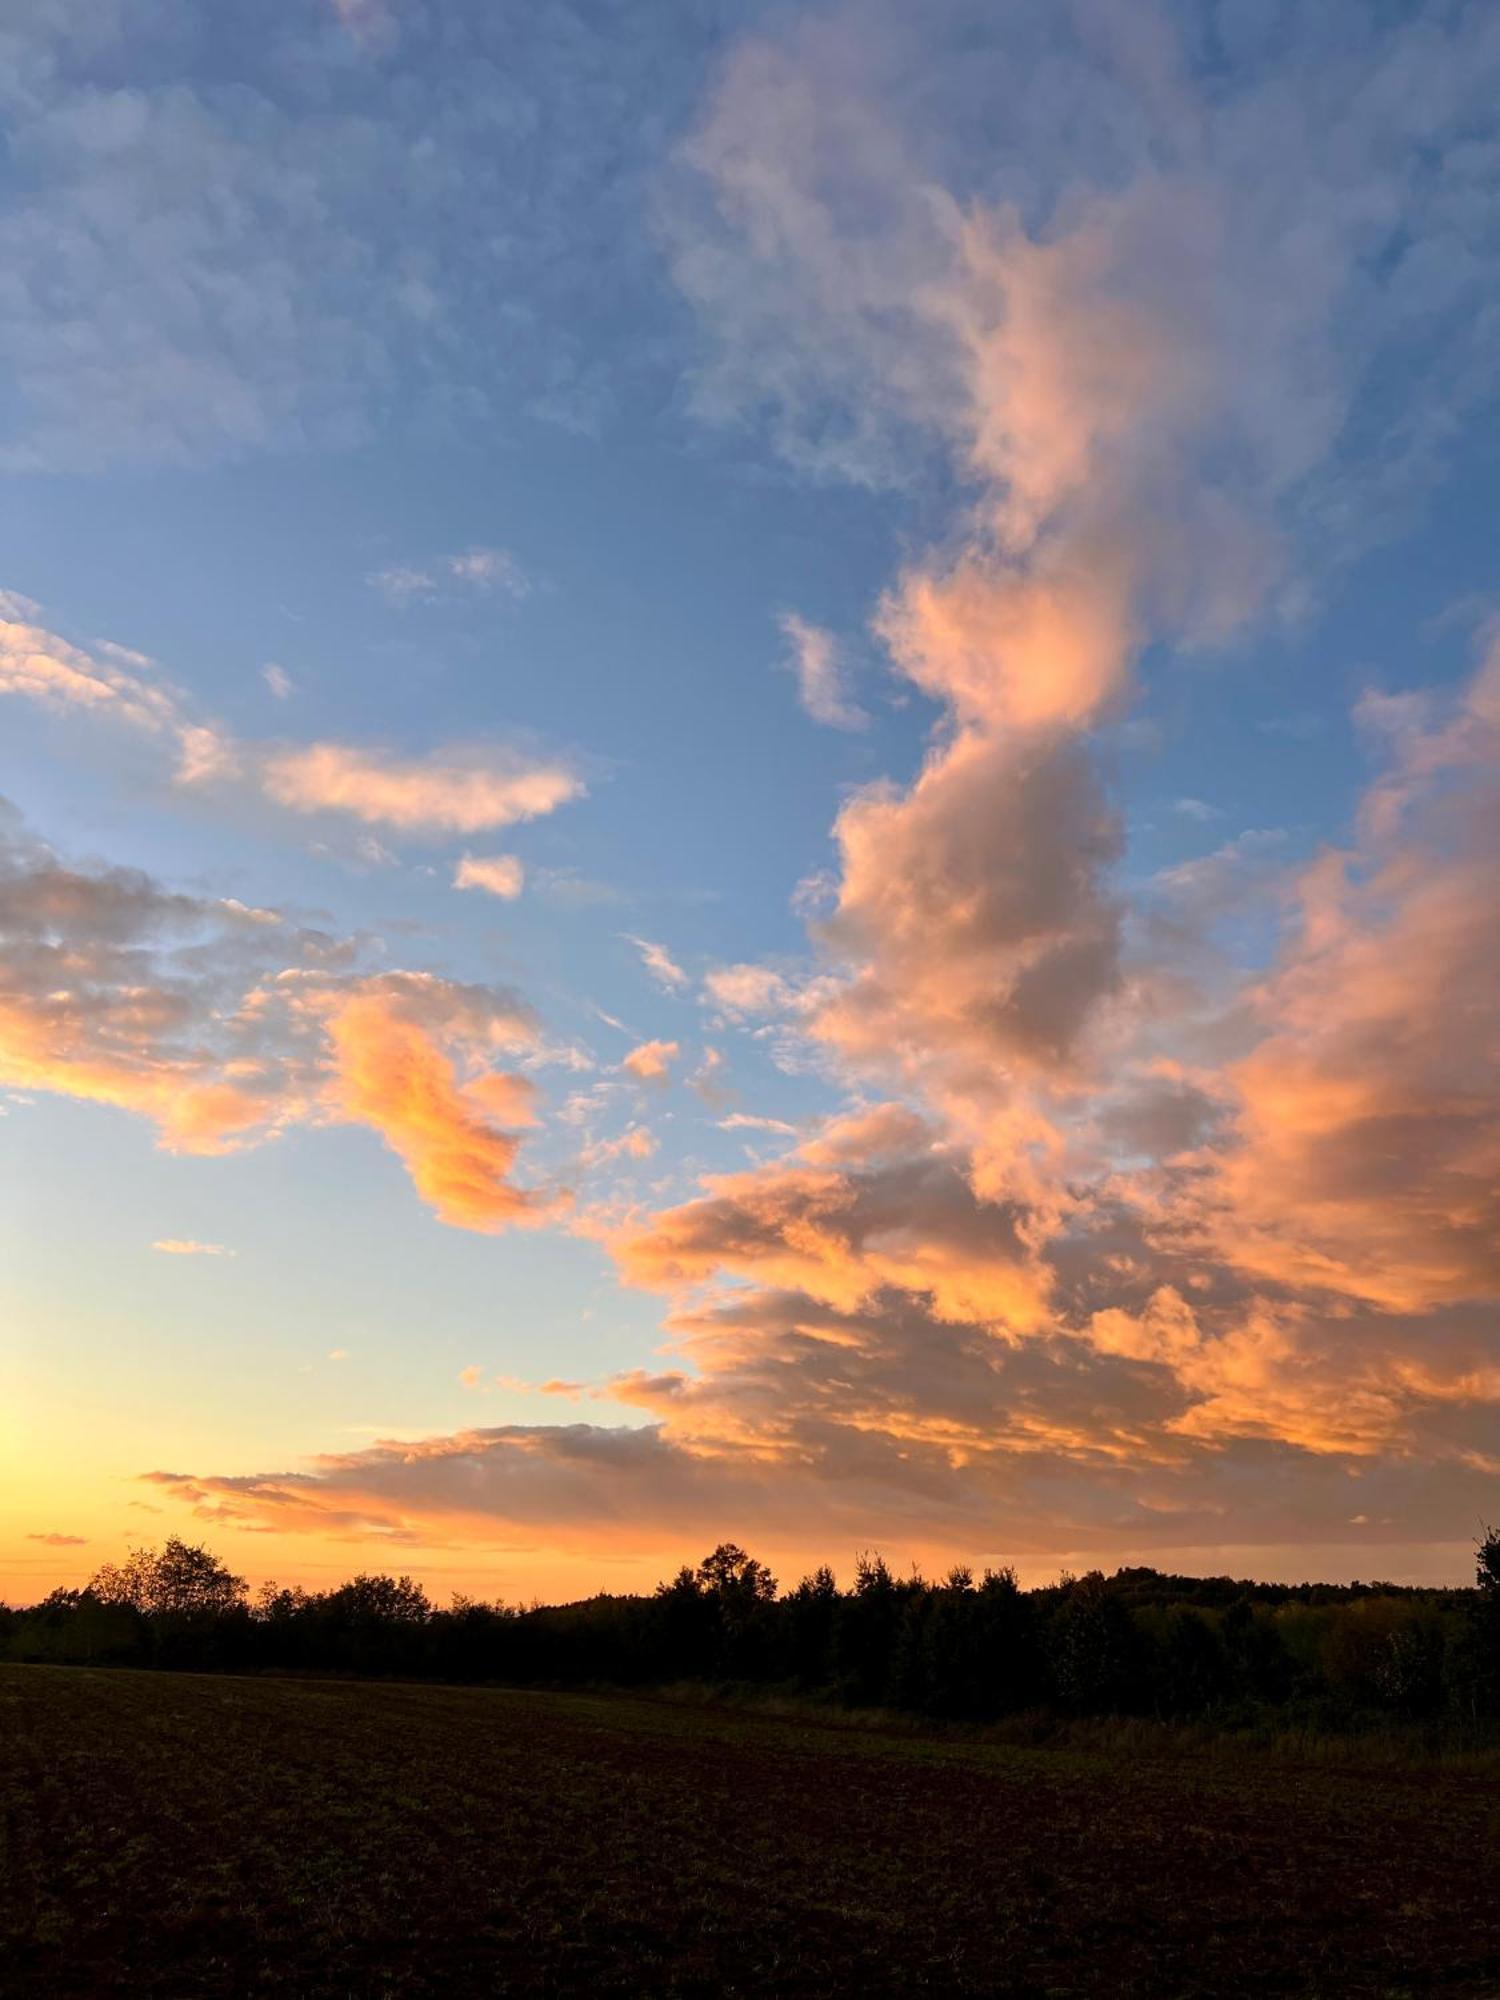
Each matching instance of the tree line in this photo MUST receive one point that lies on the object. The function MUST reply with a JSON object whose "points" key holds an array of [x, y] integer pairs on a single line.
{"points": [[966, 1648]]}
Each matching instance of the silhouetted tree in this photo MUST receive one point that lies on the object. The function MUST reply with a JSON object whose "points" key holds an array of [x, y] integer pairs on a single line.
{"points": [[740, 1591], [1094, 1649], [812, 1609], [865, 1633], [178, 1580], [734, 1577]]}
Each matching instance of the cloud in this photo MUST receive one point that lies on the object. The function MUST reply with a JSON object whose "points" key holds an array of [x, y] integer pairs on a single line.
{"points": [[659, 962], [746, 1121], [499, 875], [822, 676], [224, 1025], [401, 1048], [266, 242], [891, 231], [461, 792], [649, 1062], [843, 1236], [469, 789], [184, 1246], [636, 1142], [489, 569], [400, 584], [477, 570], [278, 680], [1366, 1150], [45, 669], [1213, 885], [748, 989], [972, 912], [932, 1435], [53, 1541]]}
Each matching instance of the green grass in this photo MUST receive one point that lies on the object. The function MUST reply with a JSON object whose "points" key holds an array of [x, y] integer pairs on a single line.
{"points": [[198, 1836]]}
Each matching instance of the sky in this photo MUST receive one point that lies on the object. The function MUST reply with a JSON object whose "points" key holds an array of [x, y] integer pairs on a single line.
{"points": [[752, 772]]}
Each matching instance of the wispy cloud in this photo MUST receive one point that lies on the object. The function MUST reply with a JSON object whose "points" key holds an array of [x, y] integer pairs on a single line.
{"points": [[475, 571], [659, 962], [470, 788], [816, 658], [747, 989], [185, 1246], [746, 1121], [201, 270]]}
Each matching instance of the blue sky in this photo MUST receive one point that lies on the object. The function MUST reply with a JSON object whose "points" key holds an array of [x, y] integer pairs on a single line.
{"points": [[481, 390]]}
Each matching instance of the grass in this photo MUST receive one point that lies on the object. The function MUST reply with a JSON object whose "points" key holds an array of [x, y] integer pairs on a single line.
{"points": [[199, 1836]]}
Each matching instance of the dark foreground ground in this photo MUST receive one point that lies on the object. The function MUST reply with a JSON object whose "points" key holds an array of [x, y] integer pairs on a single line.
{"points": [[184, 1835]]}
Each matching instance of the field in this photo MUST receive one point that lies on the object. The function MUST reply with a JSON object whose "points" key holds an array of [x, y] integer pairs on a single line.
{"points": [[197, 1836]]}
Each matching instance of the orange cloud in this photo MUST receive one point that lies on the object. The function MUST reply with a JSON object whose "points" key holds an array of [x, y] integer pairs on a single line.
{"points": [[391, 1072], [1366, 1159], [222, 1024], [842, 1237], [650, 1061]]}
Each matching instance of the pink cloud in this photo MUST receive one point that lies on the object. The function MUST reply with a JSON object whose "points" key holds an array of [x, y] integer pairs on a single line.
{"points": [[458, 793], [498, 875]]}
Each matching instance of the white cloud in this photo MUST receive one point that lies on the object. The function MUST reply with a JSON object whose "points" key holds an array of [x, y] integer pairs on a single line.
{"points": [[490, 569], [278, 680], [476, 569], [747, 989], [400, 585]]}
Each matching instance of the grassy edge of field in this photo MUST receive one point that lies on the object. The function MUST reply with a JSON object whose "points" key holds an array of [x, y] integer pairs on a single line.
{"points": [[1396, 1748]]}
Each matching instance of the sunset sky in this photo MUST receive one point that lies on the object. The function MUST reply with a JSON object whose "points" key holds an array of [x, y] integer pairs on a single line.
{"points": [[753, 773]]}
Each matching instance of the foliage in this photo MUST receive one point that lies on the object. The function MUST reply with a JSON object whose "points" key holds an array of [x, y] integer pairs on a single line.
{"points": [[1138, 1643]]}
